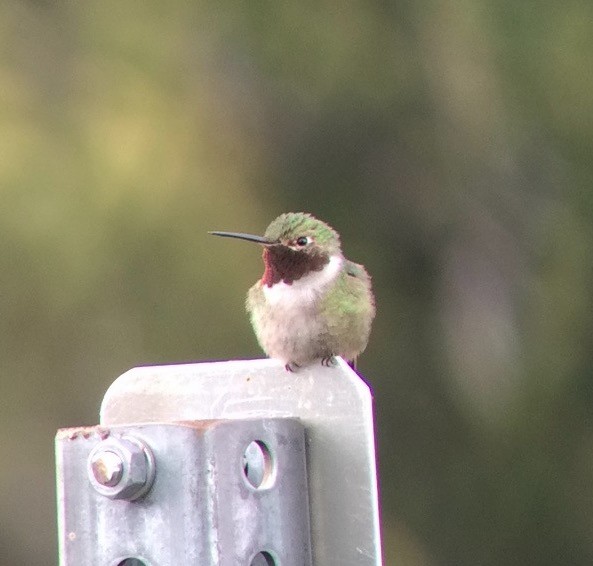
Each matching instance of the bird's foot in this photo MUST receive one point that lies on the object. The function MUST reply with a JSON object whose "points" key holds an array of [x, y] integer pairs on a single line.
{"points": [[291, 367], [329, 361]]}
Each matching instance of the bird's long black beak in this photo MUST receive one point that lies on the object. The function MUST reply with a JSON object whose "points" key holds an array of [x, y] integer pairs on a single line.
{"points": [[249, 237]]}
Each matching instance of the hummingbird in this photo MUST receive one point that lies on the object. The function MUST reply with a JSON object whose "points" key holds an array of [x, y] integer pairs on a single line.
{"points": [[311, 303]]}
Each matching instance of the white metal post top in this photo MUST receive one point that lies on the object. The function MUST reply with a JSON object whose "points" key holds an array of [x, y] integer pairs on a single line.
{"points": [[333, 403]]}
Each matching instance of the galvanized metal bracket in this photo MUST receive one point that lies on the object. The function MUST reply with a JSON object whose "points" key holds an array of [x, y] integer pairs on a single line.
{"points": [[225, 463], [210, 493]]}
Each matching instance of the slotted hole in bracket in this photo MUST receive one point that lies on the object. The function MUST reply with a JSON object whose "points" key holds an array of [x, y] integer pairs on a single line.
{"points": [[263, 559], [258, 467], [135, 562]]}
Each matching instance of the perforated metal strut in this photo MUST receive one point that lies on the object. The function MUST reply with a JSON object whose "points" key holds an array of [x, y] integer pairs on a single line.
{"points": [[217, 492], [229, 463]]}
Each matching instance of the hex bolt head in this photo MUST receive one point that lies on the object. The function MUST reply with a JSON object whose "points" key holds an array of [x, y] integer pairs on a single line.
{"points": [[107, 467], [121, 468]]}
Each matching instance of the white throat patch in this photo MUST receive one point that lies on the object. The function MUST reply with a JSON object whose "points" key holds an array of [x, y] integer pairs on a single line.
{"points": [[305, 290]]}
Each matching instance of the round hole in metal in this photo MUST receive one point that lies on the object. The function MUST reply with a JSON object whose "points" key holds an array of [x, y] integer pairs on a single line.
{"points": [[258, 465], [263, 559]]}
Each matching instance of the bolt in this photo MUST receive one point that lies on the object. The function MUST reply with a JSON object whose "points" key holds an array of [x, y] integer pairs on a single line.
{"points": [[121, 468], [107, 467]]}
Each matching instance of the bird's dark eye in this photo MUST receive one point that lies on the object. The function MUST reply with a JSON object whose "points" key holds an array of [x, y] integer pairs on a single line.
{"points": [[302, 241]]}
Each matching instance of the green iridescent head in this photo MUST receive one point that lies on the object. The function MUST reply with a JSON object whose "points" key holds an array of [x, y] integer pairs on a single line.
{"points": [[302, 231]]}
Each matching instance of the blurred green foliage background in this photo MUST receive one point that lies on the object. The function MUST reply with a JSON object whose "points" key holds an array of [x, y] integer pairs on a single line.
{"points": [[451, 145]]}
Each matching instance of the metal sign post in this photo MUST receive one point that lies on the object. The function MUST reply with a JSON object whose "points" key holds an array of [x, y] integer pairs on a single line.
{"points": [[225, 463]]}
